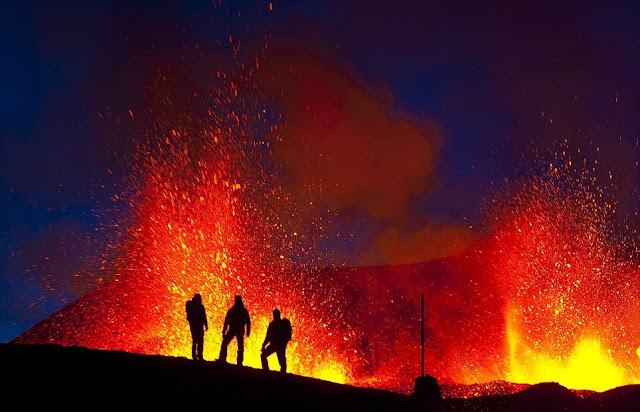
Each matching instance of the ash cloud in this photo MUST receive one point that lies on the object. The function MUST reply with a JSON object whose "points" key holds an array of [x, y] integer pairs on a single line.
{"points": [[340, 144], [345, 151]]}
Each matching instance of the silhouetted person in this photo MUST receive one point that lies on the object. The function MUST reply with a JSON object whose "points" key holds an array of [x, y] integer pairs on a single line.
{"points": [[234, 323], [197, 318], [278, 335]]}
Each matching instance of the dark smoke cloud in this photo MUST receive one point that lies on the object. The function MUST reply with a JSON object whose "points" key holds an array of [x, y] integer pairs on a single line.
{"points": [[341, 147], [344, 150]]}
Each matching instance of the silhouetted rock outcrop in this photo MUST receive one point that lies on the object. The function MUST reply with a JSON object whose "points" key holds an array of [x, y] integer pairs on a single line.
{"points": [[427, 388], [624, 398]]}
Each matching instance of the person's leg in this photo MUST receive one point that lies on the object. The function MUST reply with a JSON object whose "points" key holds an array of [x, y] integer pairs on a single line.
{"points": [[197, 336], [194, 341], [282, 358], [240, 337], [265, 353], [223, 348], [199, 345]]}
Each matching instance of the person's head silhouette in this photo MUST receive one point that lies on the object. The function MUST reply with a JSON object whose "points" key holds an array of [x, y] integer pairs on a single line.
{"points": [[197, 298], [238, 300], [276, 314]]}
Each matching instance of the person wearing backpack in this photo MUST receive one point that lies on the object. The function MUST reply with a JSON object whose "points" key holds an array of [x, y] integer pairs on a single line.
{"points": [[197, 318], [278, 335]]}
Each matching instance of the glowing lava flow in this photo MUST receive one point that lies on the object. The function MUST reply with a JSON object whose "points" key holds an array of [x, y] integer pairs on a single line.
{"points": [[571, 313], [587, 365]]}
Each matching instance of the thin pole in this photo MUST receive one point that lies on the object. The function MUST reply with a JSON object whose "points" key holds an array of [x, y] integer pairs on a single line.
{"points": [[422, 330]]}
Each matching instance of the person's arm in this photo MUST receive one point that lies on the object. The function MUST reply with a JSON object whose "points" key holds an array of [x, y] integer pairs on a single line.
{"points": [[226, 323], [204, 314], [248, 322], [267, 337]]}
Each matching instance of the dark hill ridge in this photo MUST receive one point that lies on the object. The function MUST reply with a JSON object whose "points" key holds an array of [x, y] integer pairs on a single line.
{"points": [[75, 378], [78, 378]]}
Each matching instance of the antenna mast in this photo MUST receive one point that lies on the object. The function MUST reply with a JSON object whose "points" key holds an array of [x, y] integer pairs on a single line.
{"points": [[422, 330]]}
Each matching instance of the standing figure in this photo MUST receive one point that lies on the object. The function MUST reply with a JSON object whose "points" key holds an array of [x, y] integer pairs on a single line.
{"points": [[278, 335], [234, 323], [197, 318]]}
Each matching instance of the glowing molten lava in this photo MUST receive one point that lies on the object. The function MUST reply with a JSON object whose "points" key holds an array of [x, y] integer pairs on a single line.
{"points": [[571, 312], [587, 366]]}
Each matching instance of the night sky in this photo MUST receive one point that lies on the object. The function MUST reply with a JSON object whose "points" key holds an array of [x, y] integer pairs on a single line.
{"points": [[495, 85]]}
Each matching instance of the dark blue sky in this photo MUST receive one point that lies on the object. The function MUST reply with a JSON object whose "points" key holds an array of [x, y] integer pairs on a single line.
{"points": [[485, 72]]}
